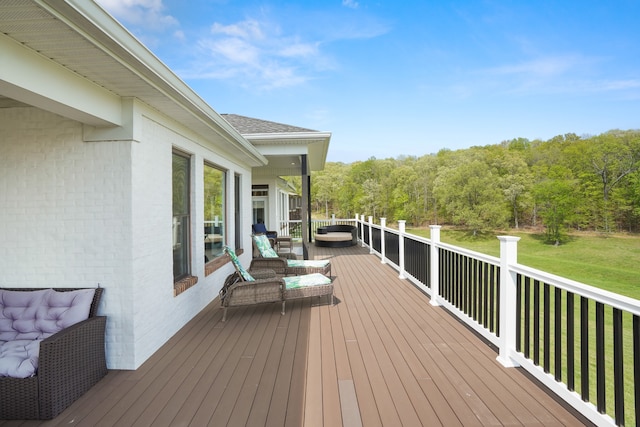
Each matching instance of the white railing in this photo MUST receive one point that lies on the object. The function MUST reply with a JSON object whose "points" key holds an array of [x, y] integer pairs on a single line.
{"points": [[293, 228], [506, 302]]}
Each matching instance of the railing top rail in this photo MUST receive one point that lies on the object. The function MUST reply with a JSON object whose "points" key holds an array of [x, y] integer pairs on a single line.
{"points": [[600, 295], [472, 254], [418, 238]]}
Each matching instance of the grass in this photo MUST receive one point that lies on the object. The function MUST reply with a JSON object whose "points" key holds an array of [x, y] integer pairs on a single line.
{"points": [[610, 262]]}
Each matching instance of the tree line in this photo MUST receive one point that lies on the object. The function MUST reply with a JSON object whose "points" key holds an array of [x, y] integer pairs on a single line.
{"points": [[567, 182]]}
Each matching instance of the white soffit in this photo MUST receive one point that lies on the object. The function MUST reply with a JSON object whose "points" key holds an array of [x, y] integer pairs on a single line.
{"points": [[84, 39]]}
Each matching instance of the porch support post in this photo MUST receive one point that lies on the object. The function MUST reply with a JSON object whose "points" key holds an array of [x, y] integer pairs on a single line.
{"points": [[401, 228], [508, 296], [305, 211], [434, 261], [358, 228], [362, 231], [383, 246], [370, 234]]}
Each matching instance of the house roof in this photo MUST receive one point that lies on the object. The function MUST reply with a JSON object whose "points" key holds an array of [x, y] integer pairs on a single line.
{"points": [[248, 125], [72, 58], [283, 145]]}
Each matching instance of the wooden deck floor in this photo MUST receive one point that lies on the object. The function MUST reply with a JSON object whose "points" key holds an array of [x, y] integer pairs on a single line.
{"points": [[382, 356]]}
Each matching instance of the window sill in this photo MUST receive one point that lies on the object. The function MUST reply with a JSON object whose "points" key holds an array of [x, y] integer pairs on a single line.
{"points": [[183, 284], [218, 262]]}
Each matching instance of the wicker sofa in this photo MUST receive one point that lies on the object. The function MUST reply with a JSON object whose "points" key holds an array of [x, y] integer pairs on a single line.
{"points": [[70, 362]]}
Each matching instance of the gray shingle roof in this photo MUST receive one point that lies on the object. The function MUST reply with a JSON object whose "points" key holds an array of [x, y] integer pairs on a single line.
{"points": [[249, 125]]}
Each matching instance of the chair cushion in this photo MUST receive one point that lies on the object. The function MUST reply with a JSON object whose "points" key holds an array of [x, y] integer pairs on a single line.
{"points": [[31, 315], [19, 358], [307, 280], [239, 268], [264, 246], [302, 263]]}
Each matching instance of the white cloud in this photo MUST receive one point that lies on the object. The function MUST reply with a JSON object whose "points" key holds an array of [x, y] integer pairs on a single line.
{"points": [[257, 54], [350, 4], [620, 84], [249, 29], [544, 67], [299, 50], [147, 14]]}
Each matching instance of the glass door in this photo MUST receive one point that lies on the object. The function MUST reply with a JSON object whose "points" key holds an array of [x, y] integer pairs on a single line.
{"points": [[260, 210]]}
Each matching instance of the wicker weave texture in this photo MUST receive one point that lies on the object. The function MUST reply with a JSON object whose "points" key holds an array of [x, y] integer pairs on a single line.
{"points": [[249, 293], [278, 265], [299, 271], [71, 362], [309, 291]]}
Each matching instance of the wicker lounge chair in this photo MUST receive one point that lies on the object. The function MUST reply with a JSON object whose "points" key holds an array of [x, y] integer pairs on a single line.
{"points": [[242, 288], [286, 266], [258, 253], [278, 241]]}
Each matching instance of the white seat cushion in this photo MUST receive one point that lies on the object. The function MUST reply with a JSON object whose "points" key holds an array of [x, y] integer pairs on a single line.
{"points": [[334, 237]]}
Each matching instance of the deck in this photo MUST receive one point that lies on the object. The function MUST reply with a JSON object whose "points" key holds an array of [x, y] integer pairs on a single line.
{"points": [[382, 356]]}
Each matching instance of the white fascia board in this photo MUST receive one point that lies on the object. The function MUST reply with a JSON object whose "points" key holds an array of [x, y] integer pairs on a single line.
{"points": [[94, 23], [315, 136], [28, 77]]}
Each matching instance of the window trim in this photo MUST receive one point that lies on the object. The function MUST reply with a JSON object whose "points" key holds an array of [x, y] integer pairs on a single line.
{"points": [[217, 262], [187, 280]]}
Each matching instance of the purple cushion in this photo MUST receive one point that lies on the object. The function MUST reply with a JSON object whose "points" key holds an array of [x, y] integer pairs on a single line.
{"points": [[40, 314], [19, 358]]}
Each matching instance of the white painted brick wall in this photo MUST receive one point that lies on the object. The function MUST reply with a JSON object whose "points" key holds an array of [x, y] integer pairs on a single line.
{"points": [[79, 214], [64, 215]]}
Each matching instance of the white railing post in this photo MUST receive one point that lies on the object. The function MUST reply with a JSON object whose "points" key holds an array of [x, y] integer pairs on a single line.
{"points": [[370, 234], [333, 219], [383, 247], [357, 224], [362, 230], [401, 228], [435, 265], [508, 296]]}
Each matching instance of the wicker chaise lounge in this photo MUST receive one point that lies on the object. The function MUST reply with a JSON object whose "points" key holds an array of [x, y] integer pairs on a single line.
{"points": [[285, 266], [279, 241], [242, 288], [70, 362], [258, 253]]}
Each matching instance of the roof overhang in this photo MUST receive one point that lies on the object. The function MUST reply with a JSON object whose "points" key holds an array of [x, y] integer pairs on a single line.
{"points": [[49, 46], [285, 150]]}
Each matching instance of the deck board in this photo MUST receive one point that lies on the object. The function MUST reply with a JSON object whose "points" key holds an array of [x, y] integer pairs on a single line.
{"points": [[381, 356]]}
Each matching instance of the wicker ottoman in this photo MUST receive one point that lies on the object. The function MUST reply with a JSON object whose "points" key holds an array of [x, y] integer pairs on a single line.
{"points": [[301, 267], [309, 285]]}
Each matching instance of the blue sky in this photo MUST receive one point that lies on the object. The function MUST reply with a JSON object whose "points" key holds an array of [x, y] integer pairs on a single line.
{"points": [[391, 78]]}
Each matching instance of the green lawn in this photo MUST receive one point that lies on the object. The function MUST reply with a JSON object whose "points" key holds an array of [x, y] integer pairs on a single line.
{"points": [[609, 262]]}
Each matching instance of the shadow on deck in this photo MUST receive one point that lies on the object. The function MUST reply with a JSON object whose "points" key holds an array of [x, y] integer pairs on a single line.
{"points": [[381, 356]]}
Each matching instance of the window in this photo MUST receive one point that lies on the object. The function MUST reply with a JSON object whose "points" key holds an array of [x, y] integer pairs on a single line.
{"points": [[214, 212], [180, 172], [260, 190]]}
